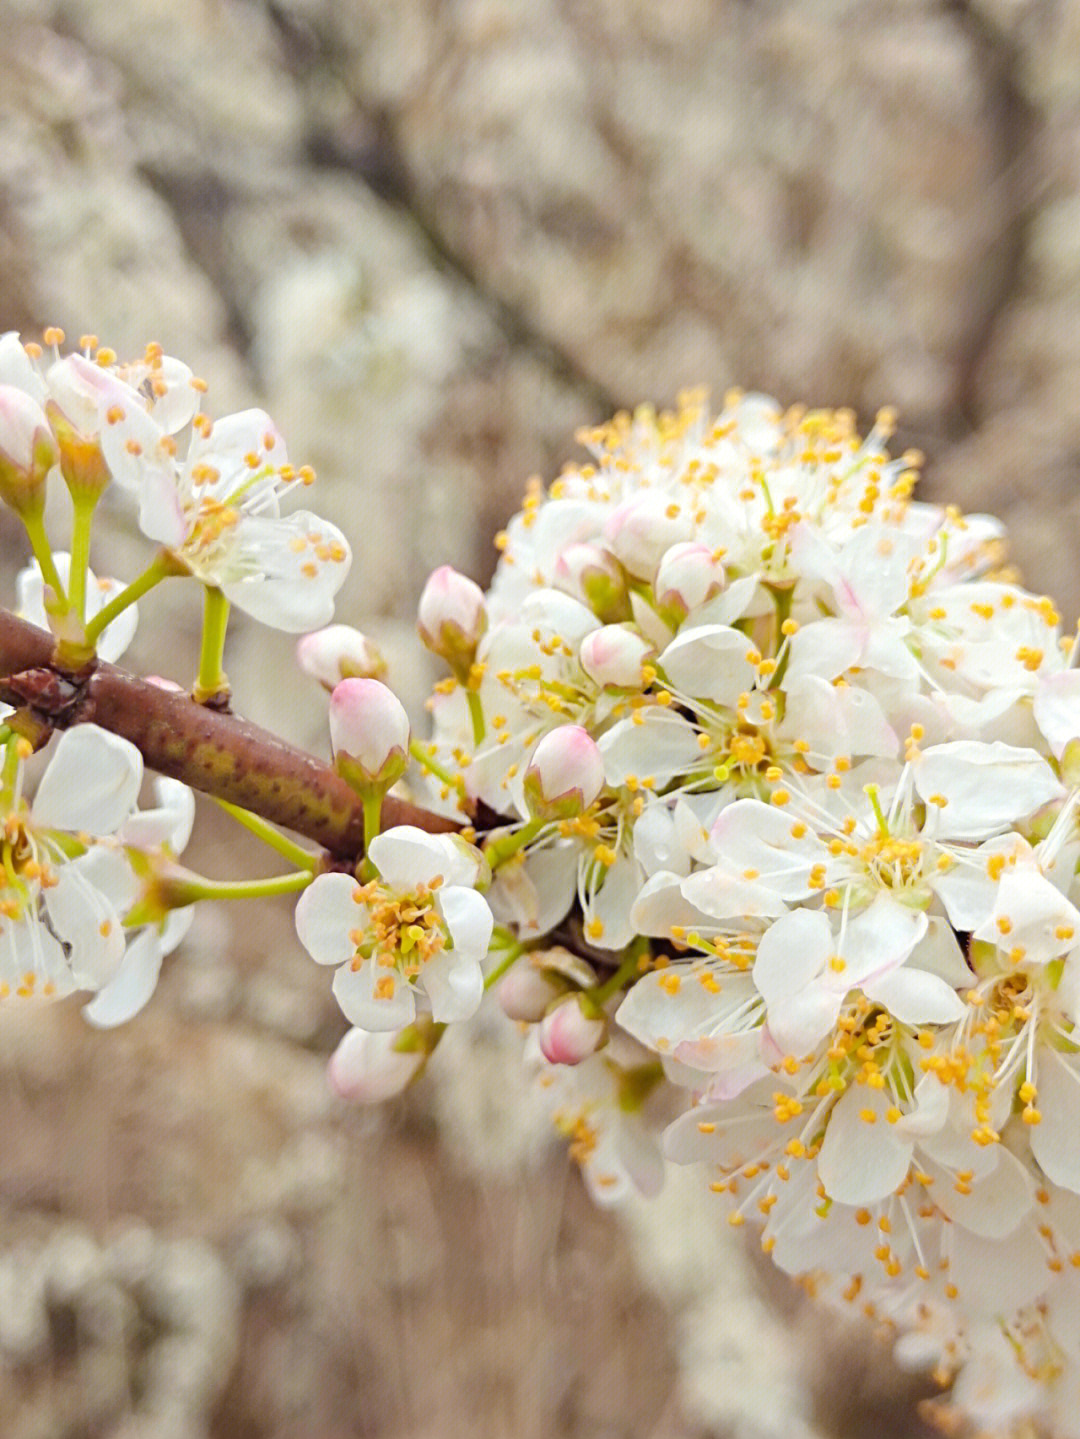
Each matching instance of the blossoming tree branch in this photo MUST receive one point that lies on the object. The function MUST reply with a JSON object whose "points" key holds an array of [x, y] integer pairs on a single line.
{"points": [[750, 800]]}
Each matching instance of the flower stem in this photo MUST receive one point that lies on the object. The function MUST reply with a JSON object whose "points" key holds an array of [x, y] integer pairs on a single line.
{"points": [[212, 680], [265, 831], [160, 568], [185, 888], [514, 951], [504, 848], [34, 525], [629, 969], [82, 523], [372, 816]]}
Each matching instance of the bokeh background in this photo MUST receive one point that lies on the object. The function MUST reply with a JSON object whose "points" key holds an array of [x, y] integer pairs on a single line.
{"points": [[433, 238]]}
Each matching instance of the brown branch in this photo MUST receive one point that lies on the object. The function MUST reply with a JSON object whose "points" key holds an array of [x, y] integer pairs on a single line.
{"points": [[216, 753]]}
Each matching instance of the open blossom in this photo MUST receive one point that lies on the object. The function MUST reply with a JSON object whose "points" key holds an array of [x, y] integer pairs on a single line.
{"points": [[218, 510], [164, 829], [418, 930], [62, 903]]}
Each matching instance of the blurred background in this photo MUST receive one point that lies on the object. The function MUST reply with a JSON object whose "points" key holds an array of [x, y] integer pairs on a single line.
{"points": [[433, 238]]}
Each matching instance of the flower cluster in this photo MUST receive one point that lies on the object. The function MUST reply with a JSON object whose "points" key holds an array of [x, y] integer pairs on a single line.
{"points": [[777, 775], [76, 862], [752, 797]]}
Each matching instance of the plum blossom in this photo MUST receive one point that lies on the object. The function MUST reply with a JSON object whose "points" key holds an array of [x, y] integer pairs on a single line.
{"points": [[218, 511], [66, 888], [418, 930]]}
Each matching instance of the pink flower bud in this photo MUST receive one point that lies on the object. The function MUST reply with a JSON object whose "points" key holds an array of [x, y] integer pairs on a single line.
{"points": [[687, 576], [338, 653], [451, 617], [27, 449], [613, 657], [592, 574], [565, 774], [641, 529], [567, 1035], [369, 733], [368, 1068], [527, 990]]}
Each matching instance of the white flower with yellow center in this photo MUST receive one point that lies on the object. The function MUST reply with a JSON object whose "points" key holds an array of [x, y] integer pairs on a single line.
{"points": [[419, 928], [218, 511], [63, 892]]}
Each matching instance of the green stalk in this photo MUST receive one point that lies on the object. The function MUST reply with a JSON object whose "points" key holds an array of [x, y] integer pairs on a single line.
{"points": [[212, 679], [34, 524], [160, 568], [514, 951], [82, 524], [182, 889], [627, 970], [372, 802], [500, 850], [265, 831]]}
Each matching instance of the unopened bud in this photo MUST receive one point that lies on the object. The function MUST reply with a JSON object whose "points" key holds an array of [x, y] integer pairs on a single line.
{"points": [[565, 774], [687, 576], [525, 993], [641, 530], [27, 450], [613, 657], [592, 574], [369, 734], [338, 653], [452, 618], [367, 1067], [567, 1035]]}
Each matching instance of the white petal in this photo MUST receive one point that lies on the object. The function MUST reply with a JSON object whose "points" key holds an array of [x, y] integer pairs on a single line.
{"points": [[792, 953], [454, 983], [914, 997], [326, 914], [282, 586], [131, 986], [91, 784], [407, 857], [468, 918], [661, 905], [354, 990], [1057, 709], [169, 822], [709, 662], [987, 787], [862, 1162], [663, 744], [998, 1200], [756, 844], [611, 904], [880, 939], [1055, 1140], [837, 721], [85, 920], [827, 648]]}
